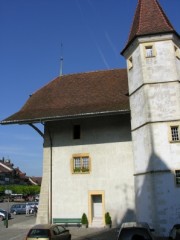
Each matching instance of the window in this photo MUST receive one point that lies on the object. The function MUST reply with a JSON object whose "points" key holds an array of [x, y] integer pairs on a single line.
{"points": [[81, 163], [56, 231], [39, 233], [174, 133], [177, 176], [177, 52], [130, 63], [61, 228], [76, 132], [149, 50]]}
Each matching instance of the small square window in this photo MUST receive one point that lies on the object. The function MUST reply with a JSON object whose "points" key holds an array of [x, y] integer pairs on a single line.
{"points": [[76, 132], [177, 177], [149, 51], [80, 163], [174, 133]]}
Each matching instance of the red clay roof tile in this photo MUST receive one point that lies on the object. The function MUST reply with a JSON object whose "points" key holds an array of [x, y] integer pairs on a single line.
{"points": [[76, 94], [149, 19]]}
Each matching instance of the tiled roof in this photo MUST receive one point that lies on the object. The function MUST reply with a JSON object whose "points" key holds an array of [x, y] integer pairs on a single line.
{"points": [[7, 163], [76, 94], [20, 173], [3, 169], [35, 180], [5, 166], [149, 19]]}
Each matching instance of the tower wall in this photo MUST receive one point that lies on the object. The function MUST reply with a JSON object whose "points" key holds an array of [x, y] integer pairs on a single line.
{"points": [[154, 102]]}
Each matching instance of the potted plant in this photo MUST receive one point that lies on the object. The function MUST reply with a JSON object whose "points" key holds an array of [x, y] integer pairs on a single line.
{"points": [[84, 221], [77, 169], [108, 220]]}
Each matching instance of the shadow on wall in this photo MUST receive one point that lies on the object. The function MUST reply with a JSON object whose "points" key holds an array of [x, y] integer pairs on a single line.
{"points": [[129, 216], [95, 130], [156, 196], [154, 201]]}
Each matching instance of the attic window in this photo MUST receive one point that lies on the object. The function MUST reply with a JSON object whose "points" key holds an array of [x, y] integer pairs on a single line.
{"points": [[130, 63], [149, 51], [76, 132], [177, 52]]}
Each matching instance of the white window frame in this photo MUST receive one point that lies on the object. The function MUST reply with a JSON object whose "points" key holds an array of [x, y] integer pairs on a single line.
{"points": [[149, 50]]}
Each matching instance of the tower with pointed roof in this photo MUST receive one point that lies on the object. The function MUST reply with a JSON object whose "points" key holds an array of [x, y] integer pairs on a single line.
{"points": [[153, 64]]}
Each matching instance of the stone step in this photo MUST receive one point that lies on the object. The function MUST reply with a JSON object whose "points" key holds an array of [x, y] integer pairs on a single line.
{"points": [[97, 223]]}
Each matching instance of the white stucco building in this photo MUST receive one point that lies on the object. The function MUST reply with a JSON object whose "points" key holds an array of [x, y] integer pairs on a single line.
{"points": [[115, 149]]}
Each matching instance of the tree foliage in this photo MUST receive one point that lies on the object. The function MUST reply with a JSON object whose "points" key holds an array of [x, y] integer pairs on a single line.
{"points": [[20, 189]]}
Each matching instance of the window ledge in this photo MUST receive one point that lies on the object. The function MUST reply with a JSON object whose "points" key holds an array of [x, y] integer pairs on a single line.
{"points": [[80, 172], [178, 141], [150, 56]]}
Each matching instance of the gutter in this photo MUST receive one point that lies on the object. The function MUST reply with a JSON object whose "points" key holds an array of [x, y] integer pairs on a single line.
{"points": [[65, 117]]}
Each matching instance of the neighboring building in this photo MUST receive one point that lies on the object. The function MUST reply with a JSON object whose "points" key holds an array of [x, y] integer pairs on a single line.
{"points": [[35, 180], [11, 175], [102, 155], [6, 172]]}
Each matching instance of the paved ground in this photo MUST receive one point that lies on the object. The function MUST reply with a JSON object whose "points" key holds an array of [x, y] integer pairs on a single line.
{"points": [[18, 227], [20, 224]]}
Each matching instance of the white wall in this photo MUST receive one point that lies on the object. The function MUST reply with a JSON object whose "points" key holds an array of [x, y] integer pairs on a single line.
{"points": [[108, 142]]}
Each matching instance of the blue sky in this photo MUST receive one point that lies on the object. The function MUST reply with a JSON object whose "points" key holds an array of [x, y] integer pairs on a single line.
{"points": [[92, 32]]}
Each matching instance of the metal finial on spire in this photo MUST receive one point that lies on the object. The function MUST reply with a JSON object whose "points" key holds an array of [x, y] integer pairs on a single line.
{"points": [[61, 61]]}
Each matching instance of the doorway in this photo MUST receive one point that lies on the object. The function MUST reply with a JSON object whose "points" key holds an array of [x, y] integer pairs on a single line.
{"points": [[96, 208]]}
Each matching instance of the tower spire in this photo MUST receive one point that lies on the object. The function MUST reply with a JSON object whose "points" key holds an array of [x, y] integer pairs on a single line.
{"points": [[149, 19]]}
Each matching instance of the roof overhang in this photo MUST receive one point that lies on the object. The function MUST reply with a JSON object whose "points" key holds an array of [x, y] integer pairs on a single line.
{"points": [[65, 117], [148, 35]]}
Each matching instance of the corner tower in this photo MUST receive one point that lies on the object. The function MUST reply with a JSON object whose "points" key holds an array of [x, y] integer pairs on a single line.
{"points": [[153, 64]]}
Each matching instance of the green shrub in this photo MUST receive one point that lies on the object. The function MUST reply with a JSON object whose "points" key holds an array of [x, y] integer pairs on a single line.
{"points": [[84, 219], [85, 169], [108, 218], [77, 169]]}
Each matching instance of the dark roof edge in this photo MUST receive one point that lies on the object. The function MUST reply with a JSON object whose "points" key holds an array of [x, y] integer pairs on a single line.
{"points": [[145, 35], [48, 119]]}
